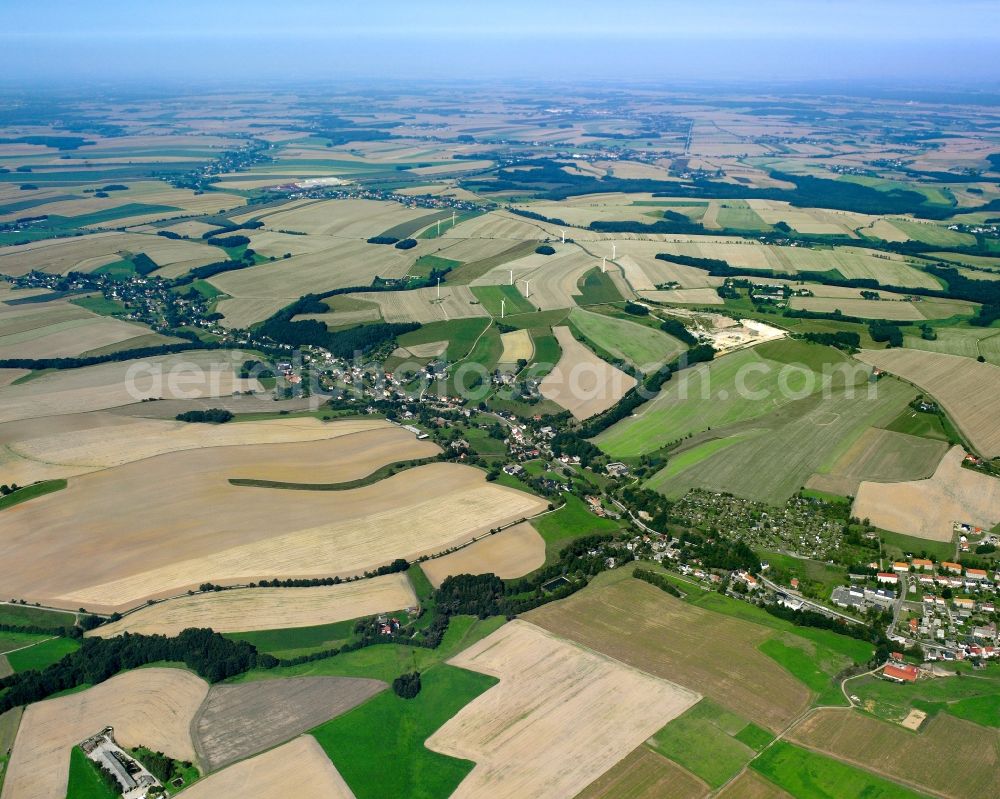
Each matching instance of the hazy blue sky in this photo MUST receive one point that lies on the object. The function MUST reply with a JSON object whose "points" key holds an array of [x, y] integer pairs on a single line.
{"points": [[884, 40]]}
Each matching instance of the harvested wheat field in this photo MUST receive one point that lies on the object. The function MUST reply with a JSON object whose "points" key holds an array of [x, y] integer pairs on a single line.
{"points": [[58, 544], [357, 219], [559, 718], [966, 389], [581, 382], [91, 388], [953, 757], [249, 609], [703, 296], [114, 441], [298, 769], [930, 508], [242, 312], [645, 774], [517, 345], [705, 651], [511, 553], [230, 724], [152, 707], [882, 456]]}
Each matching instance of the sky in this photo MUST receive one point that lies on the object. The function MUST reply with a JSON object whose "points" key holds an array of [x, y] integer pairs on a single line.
{"points": [[219, 41]]}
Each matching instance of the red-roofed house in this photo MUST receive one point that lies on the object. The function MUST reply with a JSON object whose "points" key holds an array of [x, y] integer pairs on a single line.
{"points": [[954, 568], [887, 577]]}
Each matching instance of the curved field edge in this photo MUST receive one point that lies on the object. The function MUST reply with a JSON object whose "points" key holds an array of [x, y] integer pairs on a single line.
{"points": [[374, 477]]}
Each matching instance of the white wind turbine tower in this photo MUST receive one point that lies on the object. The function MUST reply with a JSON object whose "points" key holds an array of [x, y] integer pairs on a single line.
{"points": [[439, 227], [527, 288], [453, 218], [604, 265], [563, 234], [512, 277], [439, 288], [503, 307], [614, 251]]}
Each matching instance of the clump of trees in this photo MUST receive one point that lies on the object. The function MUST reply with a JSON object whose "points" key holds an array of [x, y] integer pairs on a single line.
{"points": [[545, 249], [659, 580], [205, 652], [211, 416], [406, 244], [382, 240], [407, 686]]}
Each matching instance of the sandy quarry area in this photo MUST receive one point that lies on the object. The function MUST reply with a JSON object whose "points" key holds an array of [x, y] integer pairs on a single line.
{"points": [[151, 707], [511, 553], [299, 768], [66, 549], [248, 609], [33, 453], [559, 718], [930, 508], [581, 382]]}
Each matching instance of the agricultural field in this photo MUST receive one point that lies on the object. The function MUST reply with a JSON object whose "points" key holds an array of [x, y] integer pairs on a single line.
{"points": [[110, 385], [706, 652], [57, 328], [929, 508], [424, 305], [545, 684], [552, 279], [966, 390], [250, 533], [644, 774], [152, 707], [228, 728], [949, 756], [797, 440], [737, 387], [967, 342], [928, 308], [88, 253], [250, 609], [581, 382], [517, 345], [880, 456], [708, 741], [299, 767], [644, 347], [76, 444], [511, 553], [806, 774]]}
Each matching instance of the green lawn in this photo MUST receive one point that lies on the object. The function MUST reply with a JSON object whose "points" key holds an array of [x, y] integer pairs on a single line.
{"points": [[807, 775], [571, 521], [379, 747], [514, 301], [703, 740], [13, 640], [31, 492], [644, 347], [738, 215], [85, 780], [42, 655]]}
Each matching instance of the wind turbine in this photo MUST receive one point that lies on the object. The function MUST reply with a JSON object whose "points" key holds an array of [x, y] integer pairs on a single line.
{"points": [[527, 289], [439, 288], [563, 234], [439, 227], [512, 277], [503, 307], [604, 265], [614, 250], [453, 218]]}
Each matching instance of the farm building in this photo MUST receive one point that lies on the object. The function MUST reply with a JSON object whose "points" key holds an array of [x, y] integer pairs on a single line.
{"points": [[901, 673]]}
